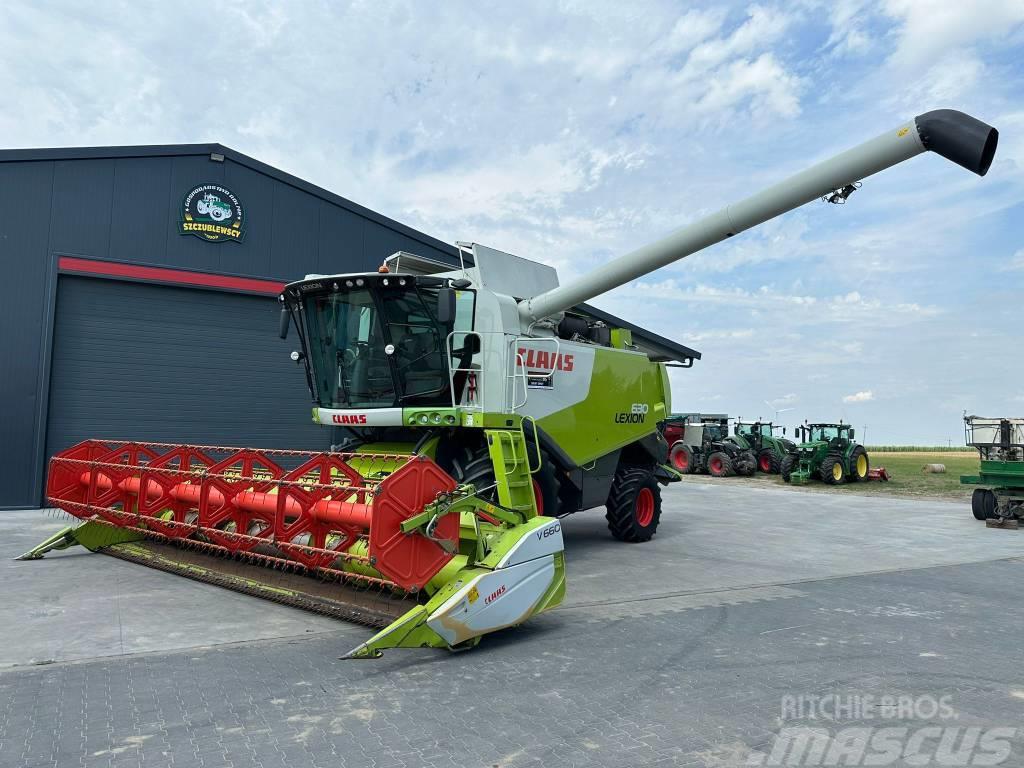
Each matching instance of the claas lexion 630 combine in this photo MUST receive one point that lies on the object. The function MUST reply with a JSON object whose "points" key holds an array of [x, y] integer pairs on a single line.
{"points": [[481, 408]]}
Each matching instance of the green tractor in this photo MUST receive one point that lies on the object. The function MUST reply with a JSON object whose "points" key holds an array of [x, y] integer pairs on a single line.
{"points": [[704, 446], [761, 439], [828, 452]]}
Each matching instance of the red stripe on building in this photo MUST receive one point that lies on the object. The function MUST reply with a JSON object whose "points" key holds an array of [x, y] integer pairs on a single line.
{"points": [[162, 275]]}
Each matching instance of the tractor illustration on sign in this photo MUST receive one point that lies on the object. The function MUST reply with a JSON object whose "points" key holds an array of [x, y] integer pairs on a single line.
{"points": [[212, 206]]}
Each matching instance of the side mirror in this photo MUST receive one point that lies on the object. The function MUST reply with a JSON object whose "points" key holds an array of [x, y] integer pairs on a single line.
{"points": [[285, 321], [446, 306], [783, 431], [851, 433]]}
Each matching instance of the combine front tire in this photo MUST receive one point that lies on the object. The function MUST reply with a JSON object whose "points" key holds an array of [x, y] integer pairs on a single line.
{"points": [[634, 505], [476, 469], [788, 464], [832, 471], [681, 458], [720, 465], [859, 464], [768, 462]]}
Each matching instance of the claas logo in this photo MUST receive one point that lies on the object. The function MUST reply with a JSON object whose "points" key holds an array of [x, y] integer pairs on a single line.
{"points": [[541, 360], [349, 418]]}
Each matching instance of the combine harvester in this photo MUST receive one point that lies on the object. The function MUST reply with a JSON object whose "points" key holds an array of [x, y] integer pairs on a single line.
{"points": [[482, 408]]}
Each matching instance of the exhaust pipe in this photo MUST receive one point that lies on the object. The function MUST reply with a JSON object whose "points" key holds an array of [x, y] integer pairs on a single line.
{"points": [[958, 137]]}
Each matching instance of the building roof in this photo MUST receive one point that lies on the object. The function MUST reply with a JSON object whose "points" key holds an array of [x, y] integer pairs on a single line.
{"points": [[658, 347]]}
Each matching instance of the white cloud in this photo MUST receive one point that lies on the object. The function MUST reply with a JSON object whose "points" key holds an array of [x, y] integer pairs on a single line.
{"points": [[859, 397], [1015, 263]]}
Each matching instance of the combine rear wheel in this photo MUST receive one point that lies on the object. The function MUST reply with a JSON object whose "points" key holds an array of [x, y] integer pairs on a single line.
{"points": [[768, 462], [634, 505], [832, 471], [720, 465], [859, 464], [681, 458]]}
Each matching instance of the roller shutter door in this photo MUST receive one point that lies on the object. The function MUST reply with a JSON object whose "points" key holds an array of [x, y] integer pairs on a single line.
{"points": [[167, 364]]}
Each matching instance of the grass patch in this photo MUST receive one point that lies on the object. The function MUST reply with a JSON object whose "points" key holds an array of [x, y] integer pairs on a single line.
{"points": [[905, 470]]}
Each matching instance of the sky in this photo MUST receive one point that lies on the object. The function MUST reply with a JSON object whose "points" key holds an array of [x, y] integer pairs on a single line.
{"points": [[573, 132]]}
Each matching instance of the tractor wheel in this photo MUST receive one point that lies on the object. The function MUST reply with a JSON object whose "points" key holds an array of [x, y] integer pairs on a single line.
{"points": [[634, 504], [475, 467], [832, 471], [745, 464], [768, 462], [681, 458], [978, 503], [859, 464], [720, 465], [788, 464]]}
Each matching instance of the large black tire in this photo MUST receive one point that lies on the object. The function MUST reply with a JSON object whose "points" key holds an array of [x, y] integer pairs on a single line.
{"points": [[634, 504], [829, 472], [768, 462], [858, 470], [989, 505], [681, 458], [745, 464], [787, 467], [474, 466], [720, 465], [978, 504]]}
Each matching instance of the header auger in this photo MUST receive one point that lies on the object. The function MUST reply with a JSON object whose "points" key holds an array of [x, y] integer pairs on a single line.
{"points": [[480, 402]]}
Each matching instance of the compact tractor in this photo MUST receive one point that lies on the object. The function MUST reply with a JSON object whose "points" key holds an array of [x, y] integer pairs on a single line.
{"points": [[1000, 445], [827, 452], [482, 405], [704, 446], [760, 438]]}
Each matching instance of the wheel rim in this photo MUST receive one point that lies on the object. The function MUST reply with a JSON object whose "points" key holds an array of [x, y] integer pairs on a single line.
{"points": [[837, 471], [766, 464], [862, 465], [538, 497], [716, 465], [681, 460], [644, 507]]}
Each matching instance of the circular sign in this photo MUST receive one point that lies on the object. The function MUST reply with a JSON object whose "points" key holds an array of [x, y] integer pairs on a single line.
{"points": [[213, 213]]}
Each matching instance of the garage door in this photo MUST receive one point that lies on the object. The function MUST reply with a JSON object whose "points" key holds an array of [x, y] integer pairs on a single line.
{"points": [[146, 362]]}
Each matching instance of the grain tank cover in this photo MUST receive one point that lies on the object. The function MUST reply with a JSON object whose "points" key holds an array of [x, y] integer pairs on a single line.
{"points": [[509, 274]]}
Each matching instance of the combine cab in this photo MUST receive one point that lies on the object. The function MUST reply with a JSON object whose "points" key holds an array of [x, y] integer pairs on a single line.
{"points": [[827, 452], [476, 398]]}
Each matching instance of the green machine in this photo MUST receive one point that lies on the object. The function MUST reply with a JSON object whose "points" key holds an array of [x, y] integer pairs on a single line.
{"points": [[481, 403], [761, 438], [827, 452], [1000, 445]]}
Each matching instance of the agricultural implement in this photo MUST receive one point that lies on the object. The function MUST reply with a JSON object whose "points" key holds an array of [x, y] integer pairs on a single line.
{"points": [[704, 447], [1000, 446], [481, 403], [761, 439], [827, 452]]}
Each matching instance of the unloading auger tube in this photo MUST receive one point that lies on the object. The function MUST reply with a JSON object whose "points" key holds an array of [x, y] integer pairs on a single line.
{"points": [[958, 137]]}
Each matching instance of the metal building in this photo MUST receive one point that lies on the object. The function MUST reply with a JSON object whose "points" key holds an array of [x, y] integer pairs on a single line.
{"points": [[141, 298]]}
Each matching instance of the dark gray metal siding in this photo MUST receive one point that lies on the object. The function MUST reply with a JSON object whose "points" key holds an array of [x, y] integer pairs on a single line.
{"points": [[122, 205], [166, 364]]}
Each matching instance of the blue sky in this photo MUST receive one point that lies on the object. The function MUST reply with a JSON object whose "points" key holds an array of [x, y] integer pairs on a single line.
{"points": [[572, 132]]}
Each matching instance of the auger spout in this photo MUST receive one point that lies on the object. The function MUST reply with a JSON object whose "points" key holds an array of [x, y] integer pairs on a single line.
{"points": [[958, 137]]}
